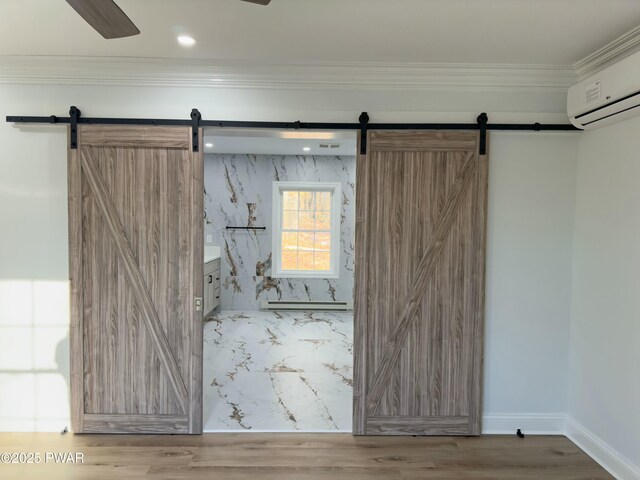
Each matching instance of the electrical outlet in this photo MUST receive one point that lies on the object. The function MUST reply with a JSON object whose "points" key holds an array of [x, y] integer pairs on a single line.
{"points": [[209, 238]]}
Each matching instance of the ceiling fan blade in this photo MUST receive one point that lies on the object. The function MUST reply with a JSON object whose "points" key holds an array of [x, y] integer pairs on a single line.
{"points": [[259, 2], [105, 17]]}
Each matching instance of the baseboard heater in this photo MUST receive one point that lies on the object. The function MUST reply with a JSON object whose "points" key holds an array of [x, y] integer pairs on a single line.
{"points": [[317, 306]]}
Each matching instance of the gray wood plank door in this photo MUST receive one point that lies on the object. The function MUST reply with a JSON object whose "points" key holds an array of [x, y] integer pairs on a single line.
{"points": [[420, 267], [136, 266]]}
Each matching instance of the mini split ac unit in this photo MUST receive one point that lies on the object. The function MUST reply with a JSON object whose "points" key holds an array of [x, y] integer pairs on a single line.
{"points": [[607, 97]]}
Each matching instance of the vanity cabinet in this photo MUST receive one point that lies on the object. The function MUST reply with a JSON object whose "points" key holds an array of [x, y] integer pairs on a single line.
{"points": [[211, 286]]}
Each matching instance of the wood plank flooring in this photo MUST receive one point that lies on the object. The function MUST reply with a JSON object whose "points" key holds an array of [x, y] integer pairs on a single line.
{"points": [[302, 457]]}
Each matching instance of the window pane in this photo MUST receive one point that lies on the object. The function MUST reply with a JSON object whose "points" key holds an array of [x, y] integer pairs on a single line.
{"points": [[322, 250], [305, 242], [306, 220], [290, 220], [323, 220], [289, 251], [289, 200], [323, 200], [322, 261], [290, 260], [305, 260], [289, 241], [306, 201], [322, 242]]}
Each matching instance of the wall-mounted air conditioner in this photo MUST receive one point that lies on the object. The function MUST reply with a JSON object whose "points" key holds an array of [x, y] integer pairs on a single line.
{"points": [[607, 97]]}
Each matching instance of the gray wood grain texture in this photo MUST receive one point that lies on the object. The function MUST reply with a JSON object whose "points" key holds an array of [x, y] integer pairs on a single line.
{"points": [[416, 141], [479, 278], [142, 424], [419, 316], [126, 258], [360, 293], [391, 425], [138, 342], [196, 287], [135, 136], [76, 340]]}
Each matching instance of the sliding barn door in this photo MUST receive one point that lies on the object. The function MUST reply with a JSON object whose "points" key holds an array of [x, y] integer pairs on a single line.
{"points": [[420, 237], [136, 261]]}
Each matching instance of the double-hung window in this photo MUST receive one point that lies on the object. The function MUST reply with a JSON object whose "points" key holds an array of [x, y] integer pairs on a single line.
{"points": [[306, 237]]}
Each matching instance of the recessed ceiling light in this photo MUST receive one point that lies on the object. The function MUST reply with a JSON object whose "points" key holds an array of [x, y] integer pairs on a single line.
{"points": [[186, 41], [208, 145], [307, 149]]}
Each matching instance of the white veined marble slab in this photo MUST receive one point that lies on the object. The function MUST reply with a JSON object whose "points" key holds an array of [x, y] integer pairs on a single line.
{"points": [[239, 192], [278, 371]]}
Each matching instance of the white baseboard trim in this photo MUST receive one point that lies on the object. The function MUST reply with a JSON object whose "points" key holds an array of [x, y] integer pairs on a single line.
{"points": [[529, 423], [612, 461], [502, 424]]}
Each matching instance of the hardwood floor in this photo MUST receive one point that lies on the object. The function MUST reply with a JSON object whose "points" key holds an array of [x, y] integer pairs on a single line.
{"points": [[301, 456]]}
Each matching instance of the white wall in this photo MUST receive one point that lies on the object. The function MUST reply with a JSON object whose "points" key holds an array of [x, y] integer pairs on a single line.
{"points": [[530, 233], [530, 220], [604, 380]]}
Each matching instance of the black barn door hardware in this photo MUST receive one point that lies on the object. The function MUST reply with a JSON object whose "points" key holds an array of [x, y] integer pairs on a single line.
{"points": [[195, 125], [364, 122], [482, 125], [196, 122], [74, 115]]}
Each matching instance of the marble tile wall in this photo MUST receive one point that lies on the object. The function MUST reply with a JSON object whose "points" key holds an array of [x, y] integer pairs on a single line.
{"points": [[238, 192], [278, 371]]}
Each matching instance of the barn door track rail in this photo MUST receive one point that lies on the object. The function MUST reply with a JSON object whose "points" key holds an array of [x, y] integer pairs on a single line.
{"points": [[195, 121]]}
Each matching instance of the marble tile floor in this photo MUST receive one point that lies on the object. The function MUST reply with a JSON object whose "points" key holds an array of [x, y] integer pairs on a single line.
{"points": [[278, 371]]}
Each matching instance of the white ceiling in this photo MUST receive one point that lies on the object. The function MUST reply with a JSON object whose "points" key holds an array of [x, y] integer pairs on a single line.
{"points": [[276, 142], [558, 32]]}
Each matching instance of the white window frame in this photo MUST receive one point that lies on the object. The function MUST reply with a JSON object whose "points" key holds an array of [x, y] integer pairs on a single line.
{"points": [[335, 188]]}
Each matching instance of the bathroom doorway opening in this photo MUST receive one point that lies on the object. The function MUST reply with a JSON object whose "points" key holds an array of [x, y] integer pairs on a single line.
{"points": [[279, 213]]}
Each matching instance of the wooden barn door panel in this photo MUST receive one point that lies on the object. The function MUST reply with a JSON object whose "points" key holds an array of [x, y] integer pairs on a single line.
{"points": [[136, 241], [420, 236]]}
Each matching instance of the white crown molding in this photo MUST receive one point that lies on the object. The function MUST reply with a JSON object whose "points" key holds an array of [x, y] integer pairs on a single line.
{"points": [[613, 51], [304, 75]]}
